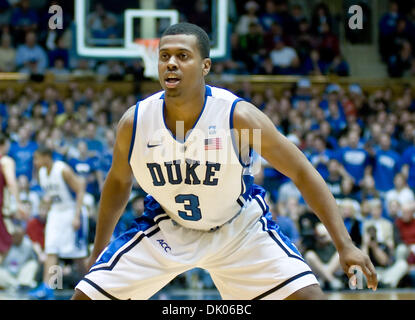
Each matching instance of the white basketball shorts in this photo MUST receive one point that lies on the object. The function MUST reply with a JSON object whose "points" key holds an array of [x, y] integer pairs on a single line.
{"points": [[60, 237], [247, 258]]}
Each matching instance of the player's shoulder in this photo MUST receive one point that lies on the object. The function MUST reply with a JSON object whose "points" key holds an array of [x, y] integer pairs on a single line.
{"points": [[61, 165], [155, 96], [221, 93], [129, 116], [6, 159]]}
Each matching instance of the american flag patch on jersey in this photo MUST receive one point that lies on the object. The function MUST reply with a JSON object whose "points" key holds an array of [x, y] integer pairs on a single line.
{"points": [[213, 144]]}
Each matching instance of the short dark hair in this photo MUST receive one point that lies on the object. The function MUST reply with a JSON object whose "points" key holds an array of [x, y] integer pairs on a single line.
{"points": [[191, 29], [44, 151]]}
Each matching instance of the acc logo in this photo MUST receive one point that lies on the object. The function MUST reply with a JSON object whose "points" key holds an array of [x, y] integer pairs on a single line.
{"points": [[164, 245]]}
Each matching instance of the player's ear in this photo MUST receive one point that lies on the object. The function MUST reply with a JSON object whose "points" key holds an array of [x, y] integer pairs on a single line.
{"points": [[207, 64]]}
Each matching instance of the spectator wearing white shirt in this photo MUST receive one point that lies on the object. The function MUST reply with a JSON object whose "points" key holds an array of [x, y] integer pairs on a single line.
{"points": [[19, 267], [249, 17], [402, 193], [288, 190], [7, 54], [284, 58]]}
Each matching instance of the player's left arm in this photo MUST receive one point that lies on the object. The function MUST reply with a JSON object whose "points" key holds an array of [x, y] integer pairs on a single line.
{"points": [[78, 185], [8, 167], [285, 157]]}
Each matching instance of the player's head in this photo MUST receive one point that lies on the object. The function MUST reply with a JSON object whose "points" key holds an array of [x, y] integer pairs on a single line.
{"points": [[183, 58], [43, 157], [185, 28]]}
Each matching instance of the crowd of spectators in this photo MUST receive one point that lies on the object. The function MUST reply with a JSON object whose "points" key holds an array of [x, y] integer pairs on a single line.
{"points": [[362, 144], [277, 37], [267, 37]]}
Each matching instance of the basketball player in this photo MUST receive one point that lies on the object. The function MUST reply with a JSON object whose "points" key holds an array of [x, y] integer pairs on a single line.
{"points": [[66, 223], [199, 212], [8, 187]]}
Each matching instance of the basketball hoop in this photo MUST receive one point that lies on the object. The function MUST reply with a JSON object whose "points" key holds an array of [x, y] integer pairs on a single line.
{"points": [[150, 55]]}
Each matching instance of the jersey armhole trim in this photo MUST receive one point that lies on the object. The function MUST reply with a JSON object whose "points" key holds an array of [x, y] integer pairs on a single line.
{"points": [[235, 147], [134, 132]]}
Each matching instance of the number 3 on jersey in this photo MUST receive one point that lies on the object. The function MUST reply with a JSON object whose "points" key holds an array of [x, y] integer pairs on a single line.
{"points": [[191, 205]]}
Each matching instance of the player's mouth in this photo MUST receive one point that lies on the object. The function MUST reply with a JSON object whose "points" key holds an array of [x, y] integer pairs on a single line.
{"points": [[172, 81]]}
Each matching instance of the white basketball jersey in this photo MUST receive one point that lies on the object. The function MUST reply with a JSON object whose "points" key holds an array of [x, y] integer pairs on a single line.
{"points": [[56, 188], [201, 182]]}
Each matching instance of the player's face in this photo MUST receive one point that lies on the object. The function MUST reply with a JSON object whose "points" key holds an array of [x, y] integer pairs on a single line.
{"points": [[181, 67], [40, 160]]}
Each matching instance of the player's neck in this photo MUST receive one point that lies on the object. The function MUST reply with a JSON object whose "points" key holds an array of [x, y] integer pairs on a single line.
{"points": [[186, 100], [49, 166]]}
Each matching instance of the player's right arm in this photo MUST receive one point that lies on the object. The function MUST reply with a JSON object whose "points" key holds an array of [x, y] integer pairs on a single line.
{"points": [[116, 188]]}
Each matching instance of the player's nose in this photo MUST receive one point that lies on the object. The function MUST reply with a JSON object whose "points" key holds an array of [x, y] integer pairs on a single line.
{"points": [[172, 63]]}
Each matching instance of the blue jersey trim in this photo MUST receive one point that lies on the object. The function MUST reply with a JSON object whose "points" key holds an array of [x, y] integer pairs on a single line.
{"points": [[270, 225], [278, 287], [247, 184], [231, 127], [208, 91], [134, 131]]}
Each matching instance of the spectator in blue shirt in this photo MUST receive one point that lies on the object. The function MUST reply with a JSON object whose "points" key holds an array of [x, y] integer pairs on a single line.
{"points": [[387, 27], [30, 52], [270, 16], [406, 137], [408, 165], [59, 52], [94, 145], [314, 65], [23, 19], [50, 98], [386, 165], [273, 179], [355, 160], [22, 152], [3, 110], [321, 156], [336, 118], [339, 66], [87, 166], [134, 210], [106, 156], [325, 130], [339, 182], [286, 215], [333, 109]]}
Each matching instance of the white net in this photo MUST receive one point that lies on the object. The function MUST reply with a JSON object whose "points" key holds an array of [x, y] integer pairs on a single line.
{"points": [[150, 55]]}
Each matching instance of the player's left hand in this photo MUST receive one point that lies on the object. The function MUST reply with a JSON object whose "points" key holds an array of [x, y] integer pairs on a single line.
{"points": [[76, 223], [351, 258]]}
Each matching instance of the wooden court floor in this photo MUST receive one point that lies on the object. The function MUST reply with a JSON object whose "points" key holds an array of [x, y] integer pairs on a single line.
{"points": [[399, 294]]}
